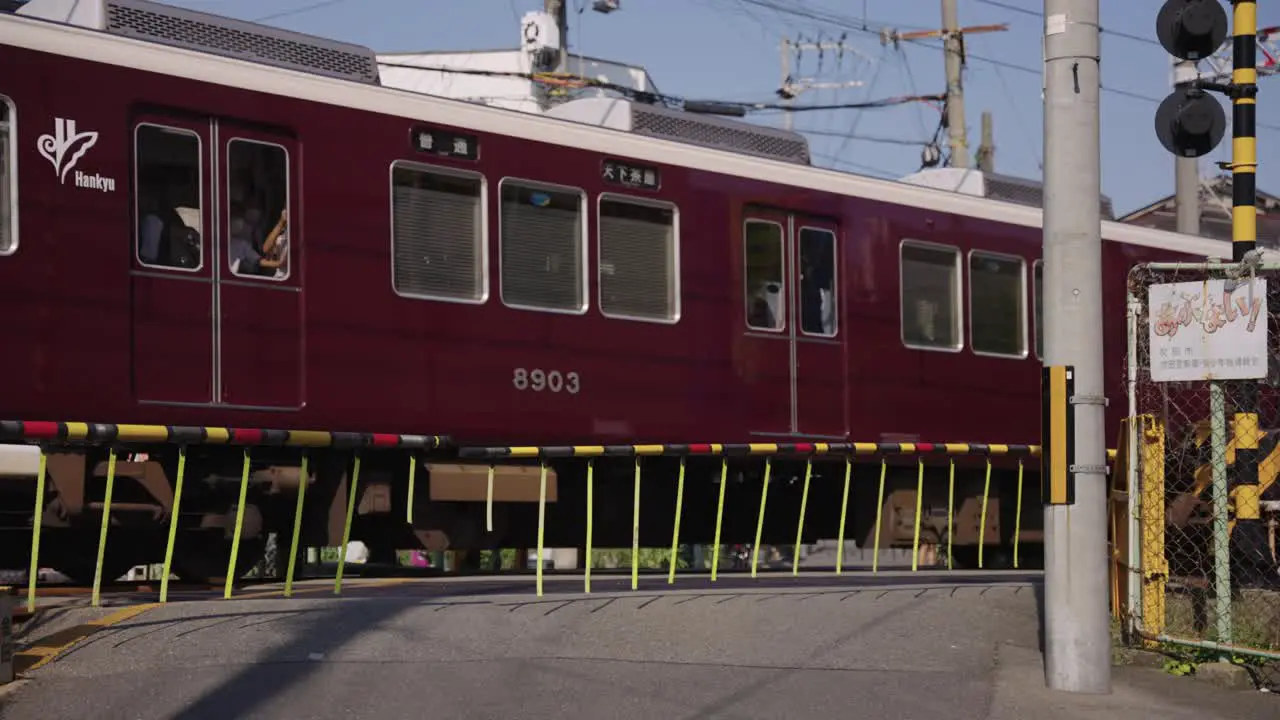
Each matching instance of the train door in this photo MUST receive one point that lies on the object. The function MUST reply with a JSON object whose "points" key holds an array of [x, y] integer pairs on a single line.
{"points": [[172, 287], [791, 357], [258, 282], [818, 358], [764, 359]]}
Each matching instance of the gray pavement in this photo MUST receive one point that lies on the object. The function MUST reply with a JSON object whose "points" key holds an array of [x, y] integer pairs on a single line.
{"points": [[772, 648]]}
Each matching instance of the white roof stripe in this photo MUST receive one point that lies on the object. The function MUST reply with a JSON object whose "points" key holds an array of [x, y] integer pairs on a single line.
{"points": [[101, 47]]}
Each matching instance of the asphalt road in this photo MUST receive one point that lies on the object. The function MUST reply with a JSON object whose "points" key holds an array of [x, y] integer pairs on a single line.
{"points": [[892, 646]]}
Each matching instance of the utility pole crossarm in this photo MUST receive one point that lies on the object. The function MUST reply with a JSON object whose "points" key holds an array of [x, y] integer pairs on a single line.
{"points": [[894, 36], [792, 87]]}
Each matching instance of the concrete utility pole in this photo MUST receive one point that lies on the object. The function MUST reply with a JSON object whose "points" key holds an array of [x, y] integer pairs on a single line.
{"points": [[559, 9], [1077, 627], [987, 150], [953, 47], [1187, 170]]}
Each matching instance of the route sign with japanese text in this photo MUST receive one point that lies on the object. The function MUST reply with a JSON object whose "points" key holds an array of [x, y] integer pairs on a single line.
{"points": [[1208, 330]]}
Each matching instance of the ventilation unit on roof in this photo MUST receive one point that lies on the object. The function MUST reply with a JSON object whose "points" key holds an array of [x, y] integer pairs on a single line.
{"points": [[707, 131], [214, 34], [969, 181]]}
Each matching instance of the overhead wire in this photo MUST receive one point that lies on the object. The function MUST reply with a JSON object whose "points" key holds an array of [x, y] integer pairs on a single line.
{"points": [[911, 83], [878, 171], [1105, 88], [856, 136], [857, 120], [309, 7], [1040, 14], [1021, 121], [576, 82], [1032, 71], [875, 27], [825, 17]]}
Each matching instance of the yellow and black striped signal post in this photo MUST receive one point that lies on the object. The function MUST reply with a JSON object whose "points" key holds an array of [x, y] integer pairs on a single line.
{"points": [[1250, 535], [1057, 435]]}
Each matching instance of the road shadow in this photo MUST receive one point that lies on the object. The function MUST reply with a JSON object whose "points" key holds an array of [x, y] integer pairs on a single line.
{"points": [[319, 633], [307, 638]]}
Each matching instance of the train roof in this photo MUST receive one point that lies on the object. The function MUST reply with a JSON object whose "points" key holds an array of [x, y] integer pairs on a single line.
{"points": [[99, 44]]}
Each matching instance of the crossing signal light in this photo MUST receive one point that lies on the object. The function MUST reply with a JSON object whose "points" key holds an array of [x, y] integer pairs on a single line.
{"points": [[1190, 122], [1192, 29]]}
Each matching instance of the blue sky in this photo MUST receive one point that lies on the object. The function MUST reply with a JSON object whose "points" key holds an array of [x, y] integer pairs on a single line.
{"points": [[728, 49]]}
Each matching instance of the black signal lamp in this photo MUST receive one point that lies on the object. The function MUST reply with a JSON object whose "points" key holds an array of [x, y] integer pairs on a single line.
{"points": [[1190, 122], [1192, 29]]}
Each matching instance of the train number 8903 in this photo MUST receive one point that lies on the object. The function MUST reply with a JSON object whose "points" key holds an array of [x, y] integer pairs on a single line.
{"points": [[539, 380]]}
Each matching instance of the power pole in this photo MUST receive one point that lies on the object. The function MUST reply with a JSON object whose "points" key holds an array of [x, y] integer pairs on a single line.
{"points": [[987, 150], [559, 9], [1077, 627], [792, 87], [953, 47], [1187, 169]]}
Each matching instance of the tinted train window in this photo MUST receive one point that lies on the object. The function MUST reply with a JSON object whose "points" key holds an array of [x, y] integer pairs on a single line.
{"points": [[818, 282], [765, 289], [638, 272], [541, 235], [437, 234], [1038, 301], [170, 232], [258, 209], [930, 296], [8, 179], [997, 304]]}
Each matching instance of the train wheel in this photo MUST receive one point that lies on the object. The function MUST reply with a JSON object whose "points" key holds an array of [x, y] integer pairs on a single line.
{"points": [[79, 562], [202, 559], [998, 557]]}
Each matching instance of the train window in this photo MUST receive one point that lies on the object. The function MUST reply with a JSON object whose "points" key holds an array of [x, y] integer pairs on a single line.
{"points": [[930, 296], [765, 289], [8, 178], [437, 233], [168, 192], [818, 282], [258, 209], [639, 271], [542, 233], [1037, 300], [998, 304]]}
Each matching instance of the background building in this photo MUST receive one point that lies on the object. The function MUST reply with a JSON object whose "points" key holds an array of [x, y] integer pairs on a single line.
{"points": [[1215, 213]]}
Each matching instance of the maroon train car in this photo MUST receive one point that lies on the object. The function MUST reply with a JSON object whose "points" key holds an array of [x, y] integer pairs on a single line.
{"points": [[441, 267]]}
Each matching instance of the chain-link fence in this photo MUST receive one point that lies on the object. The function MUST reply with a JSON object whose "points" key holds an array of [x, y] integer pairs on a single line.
{"points": [[1203, 383]]}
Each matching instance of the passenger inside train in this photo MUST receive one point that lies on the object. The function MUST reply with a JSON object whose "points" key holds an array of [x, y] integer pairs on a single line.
{"points": [[258, 184]]}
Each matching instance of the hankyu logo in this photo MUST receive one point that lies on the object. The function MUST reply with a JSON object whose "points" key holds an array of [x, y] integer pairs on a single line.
{"points": [[64, 148]]}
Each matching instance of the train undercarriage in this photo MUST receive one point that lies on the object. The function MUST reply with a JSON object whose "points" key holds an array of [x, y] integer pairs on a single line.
{"points": [[450, 506]]}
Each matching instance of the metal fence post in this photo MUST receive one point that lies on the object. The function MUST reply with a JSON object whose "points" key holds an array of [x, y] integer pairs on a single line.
{"points": [[1221, 529]]}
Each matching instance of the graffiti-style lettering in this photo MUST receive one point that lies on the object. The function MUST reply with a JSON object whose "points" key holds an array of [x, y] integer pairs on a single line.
{"points": [[1207, 311]]}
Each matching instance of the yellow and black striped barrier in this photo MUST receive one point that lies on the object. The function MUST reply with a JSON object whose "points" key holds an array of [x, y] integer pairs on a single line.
{"points": [[745, 449], [810, 451], [83, 433], [118, 436]]}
